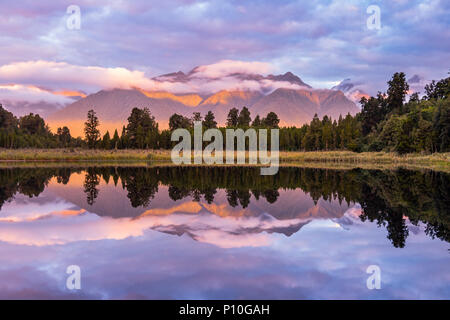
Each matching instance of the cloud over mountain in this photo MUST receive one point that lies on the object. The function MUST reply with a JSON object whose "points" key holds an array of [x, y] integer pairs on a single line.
{"points": [[71, 90]]}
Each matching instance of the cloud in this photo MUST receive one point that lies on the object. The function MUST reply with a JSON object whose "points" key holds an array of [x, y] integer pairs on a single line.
{"points": [[62, 75], [31, 94], [228, 67], [322, 41], [64, 78], [53, 227]]}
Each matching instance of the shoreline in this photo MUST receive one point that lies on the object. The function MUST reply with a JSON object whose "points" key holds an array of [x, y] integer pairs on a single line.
{"points": [[318, 159]]}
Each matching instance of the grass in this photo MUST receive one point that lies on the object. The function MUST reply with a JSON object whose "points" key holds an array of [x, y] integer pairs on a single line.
{"points": [[332, 159], [83, 155]]}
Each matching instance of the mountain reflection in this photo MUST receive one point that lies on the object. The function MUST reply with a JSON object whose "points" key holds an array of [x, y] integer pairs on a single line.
{"points": [[195, 200]]}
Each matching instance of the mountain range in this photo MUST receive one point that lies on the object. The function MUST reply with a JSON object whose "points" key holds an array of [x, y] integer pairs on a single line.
{"points": [[294, 101]]}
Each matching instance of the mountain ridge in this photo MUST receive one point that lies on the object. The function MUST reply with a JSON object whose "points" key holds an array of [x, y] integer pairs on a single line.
{"points": [[293, 100]]}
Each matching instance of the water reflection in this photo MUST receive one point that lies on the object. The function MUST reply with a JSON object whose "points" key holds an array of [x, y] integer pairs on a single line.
{"points": [[295, 194], [224, 233]]}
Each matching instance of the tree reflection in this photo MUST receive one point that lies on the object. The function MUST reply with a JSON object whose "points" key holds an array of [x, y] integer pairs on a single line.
{"points": [[386, 197], [91, 181]]}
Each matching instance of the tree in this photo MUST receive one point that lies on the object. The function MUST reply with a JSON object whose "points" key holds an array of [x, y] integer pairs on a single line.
{"points": [[327, 135], [371, 114], [271, 120], [115, 140], [397, 90], [244, 118], [232, 118], [32, 124], [196, 116], [64, 136], [106, 141], [438, 90], [7, 119], [124, 139], [209, 121], [141, 128], [91, 131], [177, 121], [441, 126], [257, 121]]}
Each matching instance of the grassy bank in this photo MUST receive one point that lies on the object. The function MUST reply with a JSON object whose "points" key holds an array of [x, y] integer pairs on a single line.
{"points": [[83, 155], [318, 159]]}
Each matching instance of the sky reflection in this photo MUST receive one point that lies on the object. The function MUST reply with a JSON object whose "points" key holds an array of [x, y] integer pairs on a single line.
{"points": [[291, 249]]}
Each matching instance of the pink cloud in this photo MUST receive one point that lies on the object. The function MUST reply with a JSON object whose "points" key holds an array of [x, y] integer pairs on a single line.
{"points": [[30, 77]]}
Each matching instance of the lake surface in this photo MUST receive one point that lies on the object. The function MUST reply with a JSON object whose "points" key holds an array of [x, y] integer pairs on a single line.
{"points": [[223, 233]]}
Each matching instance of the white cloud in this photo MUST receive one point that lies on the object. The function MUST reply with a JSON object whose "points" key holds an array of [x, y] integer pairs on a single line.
{"points": [[30, 94], [227, 67], [64, 76]]}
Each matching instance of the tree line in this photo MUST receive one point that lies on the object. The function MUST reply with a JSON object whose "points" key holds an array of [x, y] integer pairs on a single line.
{"points": [[386, 122]]}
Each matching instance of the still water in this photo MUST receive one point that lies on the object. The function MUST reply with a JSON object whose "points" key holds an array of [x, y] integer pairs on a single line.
{"points": [[223, 233]]}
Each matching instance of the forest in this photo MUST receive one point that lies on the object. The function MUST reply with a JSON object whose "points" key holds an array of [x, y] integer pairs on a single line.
{"points": [[386, 122]]}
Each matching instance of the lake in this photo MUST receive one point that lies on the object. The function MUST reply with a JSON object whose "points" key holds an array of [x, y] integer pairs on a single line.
{"points": [[164, 232]]}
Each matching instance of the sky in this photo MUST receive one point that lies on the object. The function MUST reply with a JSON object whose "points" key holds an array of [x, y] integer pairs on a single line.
{"points": [[44, 56]]}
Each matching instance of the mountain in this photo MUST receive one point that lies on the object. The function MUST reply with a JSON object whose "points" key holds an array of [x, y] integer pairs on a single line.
{"points": [[293, 100], [221, 102], [352, 90], [199, 219], [21, 108], [113, 107], [296, 107]]}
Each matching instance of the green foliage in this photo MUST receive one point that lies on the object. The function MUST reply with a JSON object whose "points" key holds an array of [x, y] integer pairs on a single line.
{"points": [[7, 120], [420, 125], [233, 118], [196, 116], [210, 121], [91, 132], [106, 141], [257, 122], [64, 136], [115, 142], [397, 90], [33, 124], [271, 120], [438, 90], [142, 129], [178, 121], [244, 118]]}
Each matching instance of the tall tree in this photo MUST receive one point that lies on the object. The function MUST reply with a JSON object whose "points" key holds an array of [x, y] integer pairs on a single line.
{"points": [[196, 116], [115, 140], [7, 119], [271, 120], [257, 121], [244, 118], [371, 114], [91, 131], [232, 118], [438, 90], [32, 124], [141, 126], [124, 139], [397, 90], [177, 121], [64, 136], [210, 121], [106, 141]]}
